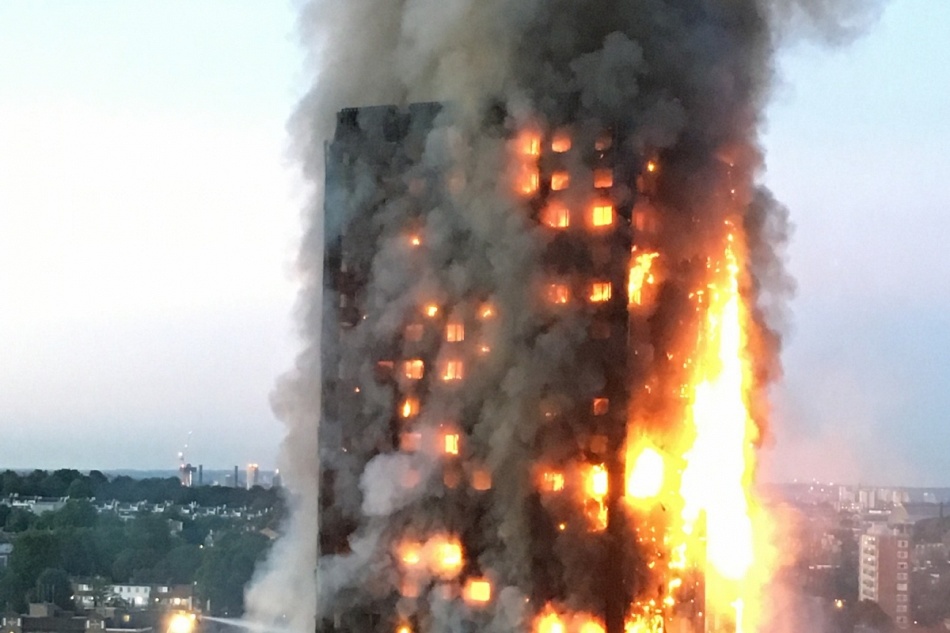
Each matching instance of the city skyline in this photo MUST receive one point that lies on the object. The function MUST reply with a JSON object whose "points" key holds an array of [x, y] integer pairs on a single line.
{"points": [[155, 211]]}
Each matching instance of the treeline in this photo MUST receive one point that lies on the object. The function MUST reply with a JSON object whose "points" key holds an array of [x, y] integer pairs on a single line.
{"points": [[217, 554], [71, 483]]}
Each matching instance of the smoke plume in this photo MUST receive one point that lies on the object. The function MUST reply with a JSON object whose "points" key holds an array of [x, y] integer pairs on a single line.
{"points": [[684, 81]]}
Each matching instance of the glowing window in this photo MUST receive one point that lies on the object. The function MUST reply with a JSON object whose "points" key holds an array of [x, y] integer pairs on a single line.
{"points": [[410, 554], [450, 444], [598, 482], [486, 311], [559, 293], [448, 557], [413, 369], [477, 591], [415, 240], [600, 406], [561, 142], [652, 167], [600, 291], [553, 481], [529, 143], [603, 178], [431, 310], [455, 332], [603, 214], [528, 180], [556, 215], [453, 370], [560, 180], [481, 479], [451, 478], [414, 332], [409, 407]]}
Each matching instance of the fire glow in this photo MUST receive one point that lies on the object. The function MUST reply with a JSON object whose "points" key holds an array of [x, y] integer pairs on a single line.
{"points": [[718, 527], [592, 421]]}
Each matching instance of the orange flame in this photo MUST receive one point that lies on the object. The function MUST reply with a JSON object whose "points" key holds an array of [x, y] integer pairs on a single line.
{"points": [[641, 275], [561, 142], [645, 478], [600, 291], [556, 215], [447, 560]]}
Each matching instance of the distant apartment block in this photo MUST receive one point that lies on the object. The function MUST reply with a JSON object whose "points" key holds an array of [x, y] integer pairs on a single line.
{"points": [[884, 570]]}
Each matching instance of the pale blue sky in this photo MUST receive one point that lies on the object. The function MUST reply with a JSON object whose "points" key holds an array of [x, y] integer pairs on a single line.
{"points": [[148, 218]]}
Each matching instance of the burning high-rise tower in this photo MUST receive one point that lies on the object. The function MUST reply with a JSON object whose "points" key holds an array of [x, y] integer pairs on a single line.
{"points": [[478, 447], [537, 300]]}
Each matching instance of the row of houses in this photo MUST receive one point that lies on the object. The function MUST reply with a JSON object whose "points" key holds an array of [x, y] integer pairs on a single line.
{"points": [[128, 510], [47, 618], [87, 594]]}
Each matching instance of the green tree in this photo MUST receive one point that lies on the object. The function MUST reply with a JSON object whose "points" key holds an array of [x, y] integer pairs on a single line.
{"points": [[19, 520], [10, 483], [77, 513], [53, 586], [79, 552], [80, 488]]}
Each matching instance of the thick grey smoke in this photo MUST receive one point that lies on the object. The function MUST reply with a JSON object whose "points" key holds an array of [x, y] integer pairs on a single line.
{"points": [[684, 80]]}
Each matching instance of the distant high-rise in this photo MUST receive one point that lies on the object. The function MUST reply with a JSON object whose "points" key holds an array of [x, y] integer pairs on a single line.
{"points": [[253, 473], [186, 473], [884, 569]]}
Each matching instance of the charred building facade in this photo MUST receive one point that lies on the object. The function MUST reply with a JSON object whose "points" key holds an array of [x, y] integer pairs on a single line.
{"points": [[542, 348], [458, 419]]}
